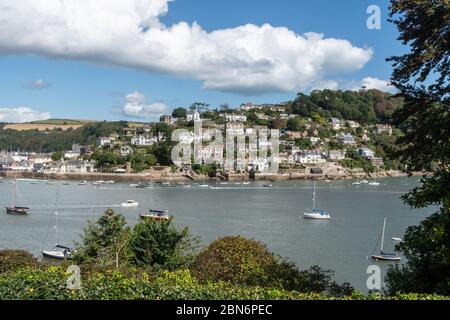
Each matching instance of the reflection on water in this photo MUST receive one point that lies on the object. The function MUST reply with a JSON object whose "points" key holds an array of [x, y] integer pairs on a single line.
{"points": [[271, 215]]}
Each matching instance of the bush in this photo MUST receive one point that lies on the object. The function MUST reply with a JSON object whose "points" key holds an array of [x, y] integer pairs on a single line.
{"points": [[285, 274], [235, 260], [11, 260]]}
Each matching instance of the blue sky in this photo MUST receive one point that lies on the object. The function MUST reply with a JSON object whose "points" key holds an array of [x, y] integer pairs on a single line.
{"points": [[74, 86]]}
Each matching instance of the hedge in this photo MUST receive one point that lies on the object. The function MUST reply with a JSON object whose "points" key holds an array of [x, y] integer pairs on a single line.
{"points": [[50, 284]]}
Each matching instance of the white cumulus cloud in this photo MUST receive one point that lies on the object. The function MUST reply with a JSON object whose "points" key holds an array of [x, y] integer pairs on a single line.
{"points": [[248, 59], [22, 114], [372, 83], [136, 106]]}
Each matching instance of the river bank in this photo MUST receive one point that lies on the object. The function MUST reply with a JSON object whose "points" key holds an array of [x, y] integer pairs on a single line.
{"points": [[167, 176]]}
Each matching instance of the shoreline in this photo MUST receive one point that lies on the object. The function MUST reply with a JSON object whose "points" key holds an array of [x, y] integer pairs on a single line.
{"points": [[178, 177]]}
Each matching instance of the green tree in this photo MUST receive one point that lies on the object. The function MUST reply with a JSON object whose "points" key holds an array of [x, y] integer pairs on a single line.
{"points": [[58, 155], [104, 242], [295, 124], [160, 245], [422, 77], [179, 113]]}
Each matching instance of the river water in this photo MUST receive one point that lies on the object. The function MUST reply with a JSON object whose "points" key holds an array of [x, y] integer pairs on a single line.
{"points": [[271, 215]]}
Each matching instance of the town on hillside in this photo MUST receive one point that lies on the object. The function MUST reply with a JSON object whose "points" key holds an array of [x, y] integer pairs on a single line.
{"points": [[315, 140]]}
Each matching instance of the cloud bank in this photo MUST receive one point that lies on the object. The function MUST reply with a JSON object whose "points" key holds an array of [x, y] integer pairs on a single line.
{"points": [[248, 59], [22, 114], [137, 107]]}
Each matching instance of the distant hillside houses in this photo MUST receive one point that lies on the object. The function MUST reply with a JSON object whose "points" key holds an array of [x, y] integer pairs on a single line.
{"points": [[104, 141], [143, 141], [336, 155], [249, 106], [236, 118], [346, 139], [383, 128], [310, 157]]}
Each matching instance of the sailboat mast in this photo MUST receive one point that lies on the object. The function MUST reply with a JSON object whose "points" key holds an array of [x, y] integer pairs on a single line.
{"points": [[56, 219], [314, 196], [14, 195], [382, 236], [56, 227]]}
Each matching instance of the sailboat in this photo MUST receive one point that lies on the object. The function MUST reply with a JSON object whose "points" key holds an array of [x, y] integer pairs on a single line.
{"points": [[14, 209], [65, 253], [385, 256], [316, 213], [155, 214]]}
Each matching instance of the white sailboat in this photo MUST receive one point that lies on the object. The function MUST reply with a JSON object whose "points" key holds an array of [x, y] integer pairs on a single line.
{"points": [[385, 256], [317, 214], [65, 253]]}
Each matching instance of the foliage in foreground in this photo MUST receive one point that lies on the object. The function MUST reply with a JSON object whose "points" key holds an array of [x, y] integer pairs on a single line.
{"points": [[50, 284], [245, 262], [427, 249], [422, 78], [110, 243]]}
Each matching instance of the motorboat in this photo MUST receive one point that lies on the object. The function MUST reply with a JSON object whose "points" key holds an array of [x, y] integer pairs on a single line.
{"points": [[130, 204]]}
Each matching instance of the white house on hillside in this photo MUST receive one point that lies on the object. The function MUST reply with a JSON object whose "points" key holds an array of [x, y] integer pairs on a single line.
{"points": [[143, 141]]}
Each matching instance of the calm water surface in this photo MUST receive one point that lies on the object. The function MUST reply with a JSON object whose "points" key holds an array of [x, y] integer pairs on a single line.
{"points": [[271, 215]]}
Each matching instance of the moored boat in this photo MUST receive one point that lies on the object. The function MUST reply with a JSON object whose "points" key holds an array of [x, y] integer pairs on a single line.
{"points": [[156, 215], [383, 256], [130, 204], [15, 210], [316, 214]]}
